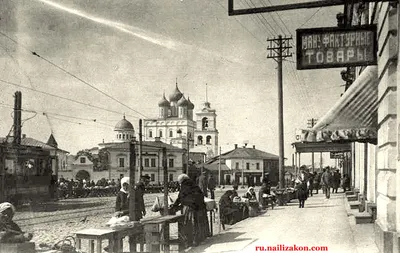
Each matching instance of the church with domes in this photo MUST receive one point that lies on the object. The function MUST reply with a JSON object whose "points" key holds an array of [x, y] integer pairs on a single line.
{"points": [[175, 125]]}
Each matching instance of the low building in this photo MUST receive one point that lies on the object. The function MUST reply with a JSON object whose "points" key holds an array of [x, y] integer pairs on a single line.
{"points": [[245, 166]]}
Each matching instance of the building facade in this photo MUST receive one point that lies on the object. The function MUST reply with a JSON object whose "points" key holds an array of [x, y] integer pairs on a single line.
{"points": [[206, 133], [175, 125], [245, 166], [111, 160]]}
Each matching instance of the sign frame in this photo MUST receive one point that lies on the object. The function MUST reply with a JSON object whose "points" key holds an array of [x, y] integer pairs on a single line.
{"points": [[299, 56]]}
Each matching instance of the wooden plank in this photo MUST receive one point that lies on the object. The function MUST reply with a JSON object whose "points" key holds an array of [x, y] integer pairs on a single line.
{"points": [[294, 6]]}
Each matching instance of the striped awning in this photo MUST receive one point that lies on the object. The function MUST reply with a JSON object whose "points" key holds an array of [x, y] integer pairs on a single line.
{"points": [[354, 116]]}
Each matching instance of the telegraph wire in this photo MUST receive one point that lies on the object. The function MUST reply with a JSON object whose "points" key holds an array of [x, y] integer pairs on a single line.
{"points": [[72, 75], [310, 17], [244, 27], [65, 98]]}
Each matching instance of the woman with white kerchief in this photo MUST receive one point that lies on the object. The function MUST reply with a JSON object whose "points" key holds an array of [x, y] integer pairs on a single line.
{"points": [[122, 202]]}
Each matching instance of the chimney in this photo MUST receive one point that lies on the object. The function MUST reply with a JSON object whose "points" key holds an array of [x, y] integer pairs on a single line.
{"points": [[236, 146], [254, 146], [157, 139]]}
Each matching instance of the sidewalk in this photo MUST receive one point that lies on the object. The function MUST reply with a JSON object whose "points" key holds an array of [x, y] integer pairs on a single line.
{"points": [[321, 223]]}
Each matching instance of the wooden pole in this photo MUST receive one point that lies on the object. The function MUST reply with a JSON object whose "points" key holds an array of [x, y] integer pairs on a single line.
{"points": [[132, 192], [165, 169], [219, 168], [140, 149], [132, 172], [294, 6]]}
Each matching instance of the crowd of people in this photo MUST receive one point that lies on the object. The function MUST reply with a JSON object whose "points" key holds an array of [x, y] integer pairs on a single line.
{"points": [[81, 188], [308, 182]]}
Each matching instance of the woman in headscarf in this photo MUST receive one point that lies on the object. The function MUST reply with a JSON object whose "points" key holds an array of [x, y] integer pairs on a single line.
{"points": [[10, 232], [191, 199], [250, 194], [253, 203], [230, 214], [122, 202]]}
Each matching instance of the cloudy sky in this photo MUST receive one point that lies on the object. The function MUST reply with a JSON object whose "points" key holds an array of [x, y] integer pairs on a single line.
{"points": [[133, 51]]}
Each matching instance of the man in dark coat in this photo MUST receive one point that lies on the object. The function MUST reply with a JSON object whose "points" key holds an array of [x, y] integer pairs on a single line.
{"points": [[326, 182], [211, 185], [335, 181]]}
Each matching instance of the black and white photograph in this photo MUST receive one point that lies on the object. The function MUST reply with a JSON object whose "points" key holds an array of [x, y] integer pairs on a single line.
{"points": [[190, 126]]}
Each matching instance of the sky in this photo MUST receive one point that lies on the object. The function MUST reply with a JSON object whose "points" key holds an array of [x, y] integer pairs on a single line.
{"points": [[110, 58]]}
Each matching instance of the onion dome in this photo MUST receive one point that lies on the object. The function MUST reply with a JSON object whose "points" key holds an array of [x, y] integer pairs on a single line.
{"points": [[190, 104], [176, 95], [163, 102], [123, 124], [182, 102]]}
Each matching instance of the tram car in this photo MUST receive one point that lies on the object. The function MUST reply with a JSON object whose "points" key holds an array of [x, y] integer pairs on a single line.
{"points": [[26, 174]]}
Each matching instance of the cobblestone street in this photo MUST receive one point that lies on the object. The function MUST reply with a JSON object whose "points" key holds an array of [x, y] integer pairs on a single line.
{"points": [[54, 221]]}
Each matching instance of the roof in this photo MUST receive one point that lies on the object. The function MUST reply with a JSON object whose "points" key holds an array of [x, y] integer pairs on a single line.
{"points": [[35, 143], [145, 144], [215, 167], [123, 124], [182, 101], [354, 116], [52, 141], [248, 153], [164, 102], [190, 104], [176, 95]]}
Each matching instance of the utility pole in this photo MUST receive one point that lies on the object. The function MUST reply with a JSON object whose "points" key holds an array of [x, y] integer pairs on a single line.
{"points": [[278, 50], [219, 168], [132, 172], [187, 158], [165, 170], [140, 149], [311, 123]]}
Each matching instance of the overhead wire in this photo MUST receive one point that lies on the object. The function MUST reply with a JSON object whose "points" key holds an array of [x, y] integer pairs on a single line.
{"points": [[64, 98], [50, 114], [302, 93], [72, 75]]}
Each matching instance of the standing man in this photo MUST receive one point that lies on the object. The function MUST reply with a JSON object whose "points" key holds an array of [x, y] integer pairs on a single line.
{"points": [[335, 181], [140, 188], [203, 183], [326, 181], [211, 185]]}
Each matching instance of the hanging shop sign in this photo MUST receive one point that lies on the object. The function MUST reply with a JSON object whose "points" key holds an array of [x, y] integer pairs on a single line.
{"points": [[337, 155], [333, 47]]}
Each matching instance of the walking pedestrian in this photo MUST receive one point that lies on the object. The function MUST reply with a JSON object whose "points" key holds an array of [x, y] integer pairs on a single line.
{"points": [[302, 192], [326, 181]]}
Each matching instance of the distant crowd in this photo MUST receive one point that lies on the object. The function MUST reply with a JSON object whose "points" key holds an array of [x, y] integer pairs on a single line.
{"points": [[81, 188]]}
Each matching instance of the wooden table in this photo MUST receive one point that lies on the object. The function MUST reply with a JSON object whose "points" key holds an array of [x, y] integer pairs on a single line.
{"points": [[114, 237], [156, 231]]}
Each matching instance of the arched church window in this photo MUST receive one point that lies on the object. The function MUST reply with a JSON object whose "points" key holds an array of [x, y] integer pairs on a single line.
{"points": [[200, 140], [170, 133], [204, 123], [150, 133], [123, 136], [208, 139], [160, 133]]}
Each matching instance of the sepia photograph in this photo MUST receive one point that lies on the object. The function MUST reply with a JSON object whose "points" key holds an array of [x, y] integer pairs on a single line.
{"points": [[213, 126]]}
